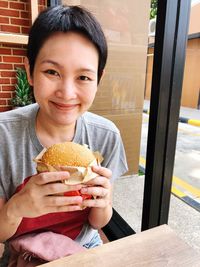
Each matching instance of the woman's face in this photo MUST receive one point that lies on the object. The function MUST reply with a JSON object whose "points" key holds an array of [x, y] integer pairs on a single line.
{"points": [[65, 77]]}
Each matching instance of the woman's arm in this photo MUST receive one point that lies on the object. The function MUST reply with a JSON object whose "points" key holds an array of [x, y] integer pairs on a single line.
{"points": [[101, 206], [8, 222], [42, 194]]}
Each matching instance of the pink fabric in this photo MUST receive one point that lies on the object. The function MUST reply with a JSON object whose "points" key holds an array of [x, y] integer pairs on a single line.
{"points": [[33, 249]]}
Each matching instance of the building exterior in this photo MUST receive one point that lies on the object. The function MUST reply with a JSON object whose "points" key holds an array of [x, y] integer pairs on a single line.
{"points": [[15, 20], [191, 82]]}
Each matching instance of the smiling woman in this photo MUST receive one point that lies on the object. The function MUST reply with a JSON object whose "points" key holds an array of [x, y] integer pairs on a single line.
{"points": [[66, 57], [64, 80]]}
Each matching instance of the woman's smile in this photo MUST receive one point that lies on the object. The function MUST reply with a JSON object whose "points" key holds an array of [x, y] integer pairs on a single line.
{"points": [[64, 107]]}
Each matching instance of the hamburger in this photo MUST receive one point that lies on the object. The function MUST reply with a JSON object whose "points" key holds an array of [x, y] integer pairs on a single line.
{"points": [[72, 157], [68, 154]]}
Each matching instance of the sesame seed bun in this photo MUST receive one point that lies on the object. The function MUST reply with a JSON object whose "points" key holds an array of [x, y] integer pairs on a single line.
{"points": [[68, 154]]}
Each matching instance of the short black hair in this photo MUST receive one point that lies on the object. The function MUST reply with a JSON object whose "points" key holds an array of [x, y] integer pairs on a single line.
{"points": [[64, 18]]}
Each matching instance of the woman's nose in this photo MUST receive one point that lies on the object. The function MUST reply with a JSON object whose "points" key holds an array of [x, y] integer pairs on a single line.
{"points": [[66, 90]]}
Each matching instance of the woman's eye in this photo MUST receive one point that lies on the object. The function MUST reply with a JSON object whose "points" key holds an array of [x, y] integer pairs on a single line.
{"points": [[52, 72], [84, 78]]}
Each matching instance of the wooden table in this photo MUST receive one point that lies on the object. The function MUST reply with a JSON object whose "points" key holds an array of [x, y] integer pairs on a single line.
{"points": [[157, 247]]}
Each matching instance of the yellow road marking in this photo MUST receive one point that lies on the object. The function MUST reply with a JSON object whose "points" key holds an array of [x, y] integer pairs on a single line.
{"points": [[191, 189], [194, 122], [188, 187], [177, 192], [142, 160], [190, 121]]}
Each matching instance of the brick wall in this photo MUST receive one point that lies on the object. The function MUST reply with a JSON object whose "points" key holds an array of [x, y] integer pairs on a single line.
{"points": [[15, 17]]}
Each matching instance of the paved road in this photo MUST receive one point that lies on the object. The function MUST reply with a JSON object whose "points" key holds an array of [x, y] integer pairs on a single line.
{"points": [[186, 182]]}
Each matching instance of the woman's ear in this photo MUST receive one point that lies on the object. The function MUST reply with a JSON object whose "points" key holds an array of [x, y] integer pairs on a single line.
{"points": [[27, 68], [103, 72]]}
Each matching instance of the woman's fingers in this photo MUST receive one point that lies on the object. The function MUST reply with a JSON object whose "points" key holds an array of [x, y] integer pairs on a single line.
{"points": [[97, 191], [49, 177], [48, 190], [69, 208], [101, 190], [59, 188], [57, 201], [50, 183], [102, 171], [96, 202], [44, 193], [63, 203]]}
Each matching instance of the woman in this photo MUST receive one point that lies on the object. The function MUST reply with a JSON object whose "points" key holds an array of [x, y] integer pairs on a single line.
{"points": [[65, 62]]}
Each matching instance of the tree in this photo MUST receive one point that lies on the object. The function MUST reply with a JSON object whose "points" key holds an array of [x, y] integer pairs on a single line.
{"points": [[153, 9]]}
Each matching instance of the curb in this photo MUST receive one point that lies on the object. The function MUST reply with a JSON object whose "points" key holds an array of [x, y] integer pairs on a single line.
{"points": [[189, 121], [181, 189], [182, 119]]}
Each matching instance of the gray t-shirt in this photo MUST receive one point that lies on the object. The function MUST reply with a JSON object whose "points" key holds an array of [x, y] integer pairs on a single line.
{"points": [[19, 145]]}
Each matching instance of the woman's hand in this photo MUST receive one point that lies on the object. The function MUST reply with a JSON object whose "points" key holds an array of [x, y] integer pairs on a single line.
{"points": [[44, 193], [101, 205], [100, 188]]}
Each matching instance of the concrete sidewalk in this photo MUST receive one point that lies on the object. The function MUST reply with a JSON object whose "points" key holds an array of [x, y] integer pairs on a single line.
{"points": [[187, 115], [128, 201]]}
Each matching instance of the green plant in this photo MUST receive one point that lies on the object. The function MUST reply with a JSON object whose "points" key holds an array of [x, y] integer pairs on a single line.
{"points": [[23, 93], [141, 172], [153, 9]]}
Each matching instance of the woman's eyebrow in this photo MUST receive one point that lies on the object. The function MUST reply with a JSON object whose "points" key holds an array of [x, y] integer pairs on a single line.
{"points": [[49, 61], [88, 70], [83, 69]]}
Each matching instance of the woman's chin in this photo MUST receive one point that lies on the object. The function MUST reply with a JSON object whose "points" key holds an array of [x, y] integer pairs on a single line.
{"points": [[65, 121]]}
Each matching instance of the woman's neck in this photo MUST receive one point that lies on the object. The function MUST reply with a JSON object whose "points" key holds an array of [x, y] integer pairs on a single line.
{"points": [[49, 134]]}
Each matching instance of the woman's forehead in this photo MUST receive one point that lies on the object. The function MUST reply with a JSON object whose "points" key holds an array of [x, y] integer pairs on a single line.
{"points": [[69, 47]]}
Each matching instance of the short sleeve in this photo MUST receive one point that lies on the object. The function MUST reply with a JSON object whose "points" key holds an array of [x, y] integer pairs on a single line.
{"points": [[116, 157]]}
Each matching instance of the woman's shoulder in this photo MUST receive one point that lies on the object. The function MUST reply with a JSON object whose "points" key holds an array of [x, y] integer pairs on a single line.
{"points": [[98, 121], [19, 114], [13, 123]]}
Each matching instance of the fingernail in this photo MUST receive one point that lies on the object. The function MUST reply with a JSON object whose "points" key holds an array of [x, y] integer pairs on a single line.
{"points": [[96, 167], [84, 190], [65, 175], [64, 172]]}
